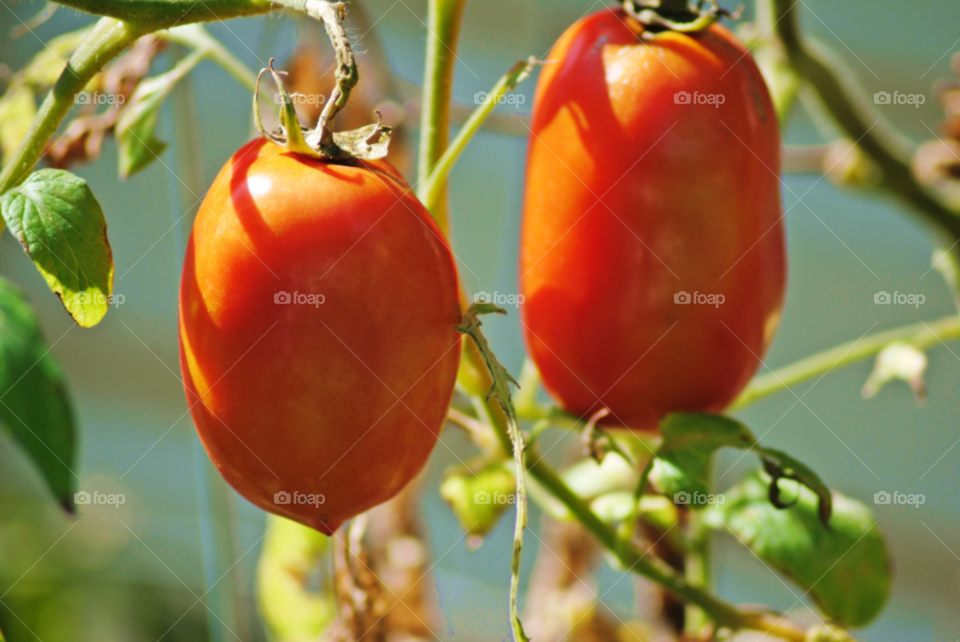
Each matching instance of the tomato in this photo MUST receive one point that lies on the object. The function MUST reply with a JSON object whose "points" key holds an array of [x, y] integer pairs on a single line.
{"points": [[652, 180], [317, 310]]}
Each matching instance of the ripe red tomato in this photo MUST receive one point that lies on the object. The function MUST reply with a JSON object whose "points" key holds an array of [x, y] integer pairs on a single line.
{"points": [[317, 311], [652, 179]]}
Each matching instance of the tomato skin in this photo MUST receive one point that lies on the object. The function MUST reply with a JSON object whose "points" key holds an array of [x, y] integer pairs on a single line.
{"points": [[631, 199], [303, 397]]}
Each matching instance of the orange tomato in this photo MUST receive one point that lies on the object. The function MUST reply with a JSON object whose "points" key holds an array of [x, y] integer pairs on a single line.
{"points": [[317, 311], [652, 259]]}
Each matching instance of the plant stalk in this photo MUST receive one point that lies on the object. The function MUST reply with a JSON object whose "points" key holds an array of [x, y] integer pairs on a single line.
{"points": [[433, 186], [850, 110], [722, 613], [443, 32], [923, 336], [696, 562], [163, 14], [107, 39], [332, 16], [920, 335]]}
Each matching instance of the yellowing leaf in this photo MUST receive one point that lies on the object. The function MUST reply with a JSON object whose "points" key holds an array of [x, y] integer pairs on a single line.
{"points": [[60, 224], [17, 110]]}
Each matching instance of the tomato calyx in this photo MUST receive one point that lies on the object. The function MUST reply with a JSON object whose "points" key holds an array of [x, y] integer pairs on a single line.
{"points": [[366, 143], [676, 15]]}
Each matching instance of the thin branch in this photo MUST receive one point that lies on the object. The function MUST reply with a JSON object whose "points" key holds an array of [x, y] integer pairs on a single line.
{"points": [[920, 335], [837, 90]]}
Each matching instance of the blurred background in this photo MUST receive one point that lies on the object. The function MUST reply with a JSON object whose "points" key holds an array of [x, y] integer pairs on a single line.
{"points": [[135, 572]]}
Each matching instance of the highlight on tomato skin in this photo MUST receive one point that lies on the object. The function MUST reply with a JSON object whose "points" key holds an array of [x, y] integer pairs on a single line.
{"points": [[652, 259], [316, 394]]}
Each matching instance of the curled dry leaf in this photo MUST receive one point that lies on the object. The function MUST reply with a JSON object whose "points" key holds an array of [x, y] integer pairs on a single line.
{"points": [[83, 139]]}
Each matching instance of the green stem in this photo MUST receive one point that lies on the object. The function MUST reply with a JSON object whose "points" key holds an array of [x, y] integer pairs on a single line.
{"points": [[696, 563], [104, 42], [881, 143], [653, 568], [443, 31], [433, 188], [107, 39], [197, 37], [629, 525], [632, 560], [162, 14], [920, 335], [781, 78]]}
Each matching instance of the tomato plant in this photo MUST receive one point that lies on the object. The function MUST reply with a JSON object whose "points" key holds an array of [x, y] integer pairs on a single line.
{"points": [[322, 320], [652, 251]]}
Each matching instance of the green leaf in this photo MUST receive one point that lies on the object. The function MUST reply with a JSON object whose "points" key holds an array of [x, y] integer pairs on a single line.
{"points": [[17, 110], [682, 463], [689, 439], [470, 325], [58, 221], [478, 498], [33, 399], [137, 143], [844, 567]]}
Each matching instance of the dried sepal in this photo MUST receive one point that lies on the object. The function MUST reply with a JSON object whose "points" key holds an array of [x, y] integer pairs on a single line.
{"points": [[366, 143]]}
